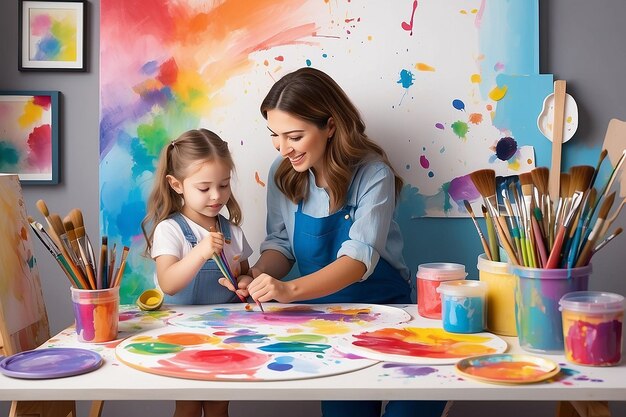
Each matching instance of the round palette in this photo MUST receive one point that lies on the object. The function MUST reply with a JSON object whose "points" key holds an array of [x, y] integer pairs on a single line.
{"points": [[327, 319], [420, 345], [244, 354], [508, 368], [50, 363]]}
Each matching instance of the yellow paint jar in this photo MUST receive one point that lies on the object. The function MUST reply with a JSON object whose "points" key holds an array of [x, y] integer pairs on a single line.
{"points": [[500, 296]]}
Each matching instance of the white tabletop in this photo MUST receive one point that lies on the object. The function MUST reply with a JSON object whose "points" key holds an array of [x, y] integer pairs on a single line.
{"points": [[382, 381]]}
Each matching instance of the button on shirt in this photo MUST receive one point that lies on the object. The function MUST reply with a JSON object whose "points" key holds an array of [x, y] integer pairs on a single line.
{"points": [[374, 232]]}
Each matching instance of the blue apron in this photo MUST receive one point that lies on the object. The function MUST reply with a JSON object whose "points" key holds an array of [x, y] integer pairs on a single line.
{"points": [[204, 288], [316, 242]]}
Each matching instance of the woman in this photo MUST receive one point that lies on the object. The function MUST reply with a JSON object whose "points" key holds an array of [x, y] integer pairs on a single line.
{"points": [[330, 205]]}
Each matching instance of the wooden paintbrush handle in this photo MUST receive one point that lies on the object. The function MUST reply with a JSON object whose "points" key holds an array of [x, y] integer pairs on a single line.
{"points": [[557, 138]]}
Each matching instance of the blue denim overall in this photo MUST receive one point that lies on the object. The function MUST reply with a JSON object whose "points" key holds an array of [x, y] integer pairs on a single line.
{"points": [[204, 288], [316, 242]]}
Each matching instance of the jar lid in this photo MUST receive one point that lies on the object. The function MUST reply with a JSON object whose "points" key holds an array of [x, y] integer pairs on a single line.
{"points": [[595, 302], [465, 288], [441, 271]]}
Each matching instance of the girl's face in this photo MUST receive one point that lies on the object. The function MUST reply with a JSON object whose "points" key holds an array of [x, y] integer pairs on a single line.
{"points": [[205, 190], [300, 141]]}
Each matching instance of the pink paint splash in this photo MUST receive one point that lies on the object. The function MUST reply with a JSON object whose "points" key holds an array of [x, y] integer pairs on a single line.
{"points": [[409, 26], [42, 101], [424, 162], [40, 25]]}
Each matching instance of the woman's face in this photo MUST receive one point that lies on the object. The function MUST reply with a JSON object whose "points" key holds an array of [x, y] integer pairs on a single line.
{"points": [[300, 141]]}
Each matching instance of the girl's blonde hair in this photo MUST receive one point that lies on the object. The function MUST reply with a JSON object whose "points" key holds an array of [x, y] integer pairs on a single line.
{"points": [[314, 96], [193, 146]]}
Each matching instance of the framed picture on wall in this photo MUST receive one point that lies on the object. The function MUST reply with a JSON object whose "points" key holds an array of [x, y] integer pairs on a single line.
{"points": [[51, 35], [29, 135]]}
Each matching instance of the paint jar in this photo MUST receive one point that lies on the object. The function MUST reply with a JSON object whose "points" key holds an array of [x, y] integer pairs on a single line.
{"points": [[463, 306], [429, 276], [537, 296], [500, 296], [592, 327], [96, 314]]}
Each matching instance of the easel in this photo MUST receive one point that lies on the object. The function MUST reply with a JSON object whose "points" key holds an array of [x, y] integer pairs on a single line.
{"points": [[23, 316]]}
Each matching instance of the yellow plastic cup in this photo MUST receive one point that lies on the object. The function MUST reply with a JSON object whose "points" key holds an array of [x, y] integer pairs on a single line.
{"points": [[500, 296]]}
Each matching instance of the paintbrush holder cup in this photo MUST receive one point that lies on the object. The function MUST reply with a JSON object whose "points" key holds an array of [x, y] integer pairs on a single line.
{"points": [[96, 313], [500, 296], [592, 327], [537, 296]]}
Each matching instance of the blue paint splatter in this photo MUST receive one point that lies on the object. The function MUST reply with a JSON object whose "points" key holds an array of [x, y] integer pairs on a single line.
{"points": [[324, 55], [406, 78], [281, 363], [308, 62], [458, 104]]}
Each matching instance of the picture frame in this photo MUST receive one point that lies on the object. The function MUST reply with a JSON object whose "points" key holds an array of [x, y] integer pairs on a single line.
{"points": [[29, 135], [52, 35]]}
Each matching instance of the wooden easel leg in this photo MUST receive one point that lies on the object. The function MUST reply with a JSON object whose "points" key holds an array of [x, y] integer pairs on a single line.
{"points": [[96, 408], [583, 409], [42, 409]]}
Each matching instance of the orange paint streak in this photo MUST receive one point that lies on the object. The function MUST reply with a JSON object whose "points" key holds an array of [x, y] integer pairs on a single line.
{"points": [[475, 118], [258, 179]]}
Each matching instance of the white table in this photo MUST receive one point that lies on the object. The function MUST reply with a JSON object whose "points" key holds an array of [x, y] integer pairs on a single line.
{"points": [[383, 381]]}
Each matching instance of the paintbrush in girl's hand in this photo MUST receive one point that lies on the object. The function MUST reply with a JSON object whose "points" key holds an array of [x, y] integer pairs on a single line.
{"points": [[468, 207]]}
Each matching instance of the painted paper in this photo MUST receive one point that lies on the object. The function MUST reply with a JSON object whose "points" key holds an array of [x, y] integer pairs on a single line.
{"points": [[434, 82]]}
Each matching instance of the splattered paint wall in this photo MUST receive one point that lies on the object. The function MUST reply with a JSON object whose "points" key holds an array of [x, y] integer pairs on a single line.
{"points": [[445, 87]]}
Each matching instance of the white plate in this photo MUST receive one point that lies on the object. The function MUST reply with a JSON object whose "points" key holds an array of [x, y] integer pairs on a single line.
{"points": [[546, 117]]}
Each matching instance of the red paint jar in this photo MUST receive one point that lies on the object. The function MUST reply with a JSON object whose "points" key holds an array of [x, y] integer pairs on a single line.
{"points": [[429, 276]]}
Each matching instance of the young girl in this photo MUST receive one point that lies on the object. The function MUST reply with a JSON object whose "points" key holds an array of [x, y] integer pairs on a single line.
{"points": [[183, 230]]}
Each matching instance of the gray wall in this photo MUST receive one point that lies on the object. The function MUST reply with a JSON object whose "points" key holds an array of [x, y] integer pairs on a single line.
{"points": [[581, 41]]}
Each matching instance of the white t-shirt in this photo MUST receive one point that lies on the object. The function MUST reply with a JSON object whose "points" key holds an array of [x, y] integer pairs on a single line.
{"points": [[168, 239]]}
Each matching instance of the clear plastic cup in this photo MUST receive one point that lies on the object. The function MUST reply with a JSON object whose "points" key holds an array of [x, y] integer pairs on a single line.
{"points": [[96, 313], [463, 306], [592, 327], [500, 296], [429, 276]]}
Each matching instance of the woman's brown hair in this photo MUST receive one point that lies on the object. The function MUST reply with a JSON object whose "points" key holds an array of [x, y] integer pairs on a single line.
{"points": [[314, 96]]}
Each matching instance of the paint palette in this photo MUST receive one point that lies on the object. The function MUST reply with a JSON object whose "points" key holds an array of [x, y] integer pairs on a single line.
{"points": [[508, 369], [237, 354], [50, 363], [326, 319], [420, 345]]}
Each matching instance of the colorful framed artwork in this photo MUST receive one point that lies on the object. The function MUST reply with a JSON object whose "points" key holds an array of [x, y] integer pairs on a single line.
{"points": [[29, 135], [51, 35]]}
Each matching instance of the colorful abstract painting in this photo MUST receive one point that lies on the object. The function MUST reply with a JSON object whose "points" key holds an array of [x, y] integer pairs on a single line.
{"points": [[29, 135], [229, 342], [21, 300], [445, 87], [420, 345], [51, 35]]}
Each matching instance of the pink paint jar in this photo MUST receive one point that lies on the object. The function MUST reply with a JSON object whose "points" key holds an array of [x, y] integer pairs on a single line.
{"points": [[429, 276], [592, 327]]}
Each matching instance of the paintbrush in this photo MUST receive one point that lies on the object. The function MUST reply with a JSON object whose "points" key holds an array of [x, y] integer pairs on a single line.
{"points": [[103, 266], [555, 253], [43, 209], [485, 182], [83, 240], [540, 179], [580, 180], [606, 240], [49, 244], [491, 234], [587, 249], [611, 219], [468, 207], [78, 255], [120, 272]]}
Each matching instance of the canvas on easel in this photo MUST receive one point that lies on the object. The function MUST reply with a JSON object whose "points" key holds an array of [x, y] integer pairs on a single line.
{"points": [[23, 316]]}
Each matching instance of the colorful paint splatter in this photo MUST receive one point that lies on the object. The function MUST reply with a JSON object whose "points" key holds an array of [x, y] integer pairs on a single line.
{"points": [[421, 345], [171, 66]]}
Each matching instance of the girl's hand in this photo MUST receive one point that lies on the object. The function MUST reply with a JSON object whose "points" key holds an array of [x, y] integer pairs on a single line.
{"points": [[267, 288], [242, 284], [211, 245]]}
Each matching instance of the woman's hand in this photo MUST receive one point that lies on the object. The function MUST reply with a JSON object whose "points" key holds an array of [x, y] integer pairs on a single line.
{"points": [[267, 288]]}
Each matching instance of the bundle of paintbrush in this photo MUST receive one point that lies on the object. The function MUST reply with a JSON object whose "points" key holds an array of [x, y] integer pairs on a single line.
{"points": [[68, 242], [537, 232]]}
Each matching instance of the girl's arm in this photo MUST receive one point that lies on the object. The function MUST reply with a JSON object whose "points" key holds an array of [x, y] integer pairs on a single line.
{"points": [[175, 274], [328, 280]]}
